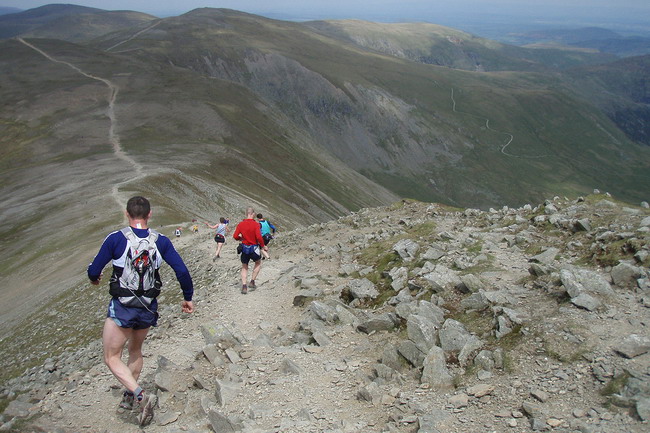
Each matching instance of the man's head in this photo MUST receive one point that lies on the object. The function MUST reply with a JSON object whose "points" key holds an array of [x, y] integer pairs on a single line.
{"points": [[222, 220], [259, 216], [250, 212], [138, 207]]}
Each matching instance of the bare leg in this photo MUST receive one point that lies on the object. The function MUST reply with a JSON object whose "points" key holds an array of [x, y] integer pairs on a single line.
{"points": [[114, 338], [244, 272], [135, 352], [256, 269], [219, 246]]}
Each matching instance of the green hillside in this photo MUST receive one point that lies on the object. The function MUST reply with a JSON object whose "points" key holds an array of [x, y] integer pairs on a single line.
{"points": [[393, 119]]}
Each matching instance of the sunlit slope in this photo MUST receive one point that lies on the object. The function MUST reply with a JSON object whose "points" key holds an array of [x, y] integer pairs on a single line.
{"points": [[509, 137]]}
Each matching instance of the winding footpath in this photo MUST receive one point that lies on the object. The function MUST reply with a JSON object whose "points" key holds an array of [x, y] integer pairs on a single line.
{"points": [[509, 140], [113, 136]]}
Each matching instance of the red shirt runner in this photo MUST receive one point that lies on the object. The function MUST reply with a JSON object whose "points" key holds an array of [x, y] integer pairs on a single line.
{"points": [[250, 231]]}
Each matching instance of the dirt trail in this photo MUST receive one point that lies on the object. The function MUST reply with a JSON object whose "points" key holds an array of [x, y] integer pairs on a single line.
{"points": [[113, 135], [134, 35], [321, 388]]}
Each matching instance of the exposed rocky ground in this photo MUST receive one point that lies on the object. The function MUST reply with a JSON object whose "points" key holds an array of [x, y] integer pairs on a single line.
{"points": [[409, 318]]}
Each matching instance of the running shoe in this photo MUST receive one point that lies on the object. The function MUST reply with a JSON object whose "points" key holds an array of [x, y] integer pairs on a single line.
{"points": [[252, 285], [146, 409], [127, 400], [244, 289]]}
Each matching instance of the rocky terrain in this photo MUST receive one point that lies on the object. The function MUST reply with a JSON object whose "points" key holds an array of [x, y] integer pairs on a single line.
{"points": [[409, 318]]}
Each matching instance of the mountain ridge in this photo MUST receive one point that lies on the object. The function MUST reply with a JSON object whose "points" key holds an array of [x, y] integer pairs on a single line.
{"points": [[18, 23]]}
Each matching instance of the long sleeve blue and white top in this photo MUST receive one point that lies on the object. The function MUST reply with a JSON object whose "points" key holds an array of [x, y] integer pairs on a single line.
{"points": [[115, 248]]}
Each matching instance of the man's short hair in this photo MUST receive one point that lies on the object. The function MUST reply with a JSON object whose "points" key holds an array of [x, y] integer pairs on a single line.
{"points": [[138, 207], [259, 216], [250, 211]]}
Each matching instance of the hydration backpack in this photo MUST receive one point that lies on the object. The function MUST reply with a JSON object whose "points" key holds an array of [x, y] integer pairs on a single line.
{"points": [[138, 282]]}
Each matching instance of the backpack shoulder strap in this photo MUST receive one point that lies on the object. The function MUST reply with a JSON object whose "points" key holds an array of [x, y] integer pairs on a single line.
{"points": [[128, 234], [153, 236]]}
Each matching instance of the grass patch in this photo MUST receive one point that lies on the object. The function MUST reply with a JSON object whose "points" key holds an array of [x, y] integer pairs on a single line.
{"points": [[564, 351], [533, 249], [375, 255], [388, 261], [478, 323], [511, 340], [618, 250], [476, 247], [508, 363], [4, 402], [384, 296], [425, 230], [616, 385], [485, 266], [398, 205]]}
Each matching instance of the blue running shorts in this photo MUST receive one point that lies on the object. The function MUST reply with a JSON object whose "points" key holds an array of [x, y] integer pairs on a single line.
{"points": [[250, 252], [133, 317]]}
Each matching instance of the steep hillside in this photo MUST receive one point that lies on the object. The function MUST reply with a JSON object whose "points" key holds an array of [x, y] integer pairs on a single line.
{"points": [[624, 47], [18, 23], [622, 90], [422, 131], [5, 10]]}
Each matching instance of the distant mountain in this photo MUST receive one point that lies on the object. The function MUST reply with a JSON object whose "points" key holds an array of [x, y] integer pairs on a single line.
{"points": [[68, 22], [214, 110], [443, 46], [570, 36], [623, 47], [594, 38], [19, 23], [5, 10]]}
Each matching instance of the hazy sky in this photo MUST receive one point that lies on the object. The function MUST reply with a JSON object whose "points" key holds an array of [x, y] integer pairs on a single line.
{"points": [[594, 11]]}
